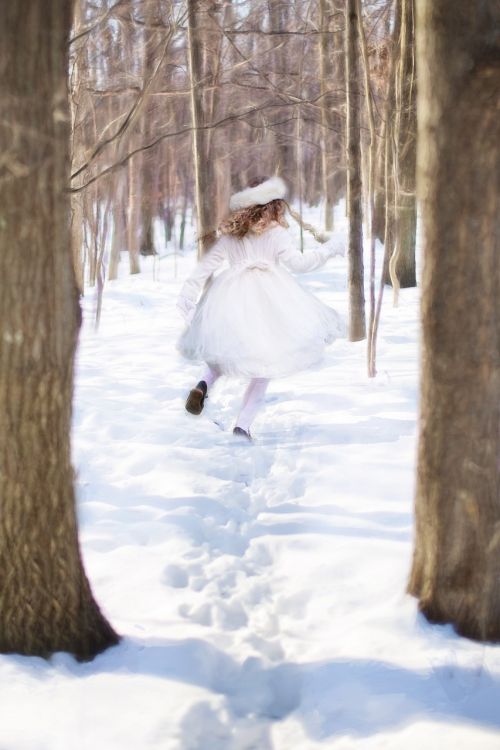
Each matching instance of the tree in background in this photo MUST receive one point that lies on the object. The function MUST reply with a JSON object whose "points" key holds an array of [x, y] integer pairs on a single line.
{"points": [[456, 565], [394, 72], [46, 601], [132, 97], [326, 12], [402, 265], [400, 153], [357, 324], [203, 64], [177, 104]]}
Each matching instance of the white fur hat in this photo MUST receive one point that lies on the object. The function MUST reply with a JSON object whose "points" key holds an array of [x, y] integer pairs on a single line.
{"points": [[266, 191]]}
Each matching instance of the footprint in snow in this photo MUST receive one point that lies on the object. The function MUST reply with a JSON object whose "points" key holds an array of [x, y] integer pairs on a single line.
{"points": [[175, 576]]}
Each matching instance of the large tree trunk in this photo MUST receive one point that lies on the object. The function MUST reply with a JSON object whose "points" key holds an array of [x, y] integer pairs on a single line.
{"points": [[47, 604], [357, 325], [456, 566]]}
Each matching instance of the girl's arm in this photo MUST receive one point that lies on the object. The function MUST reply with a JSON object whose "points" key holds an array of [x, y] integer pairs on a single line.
{"points": [[299, 262], [193, 286]]}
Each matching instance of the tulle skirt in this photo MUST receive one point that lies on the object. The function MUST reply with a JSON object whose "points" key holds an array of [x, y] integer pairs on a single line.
{"points": [[259, 322]]}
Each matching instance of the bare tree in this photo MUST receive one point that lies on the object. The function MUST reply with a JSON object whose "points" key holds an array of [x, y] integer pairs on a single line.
{"points": [[76, 199], [201, 109], [326, 11], [374, 314], [357, 324], [47, 604], [456, 565], [403, 141], [134, 120]]}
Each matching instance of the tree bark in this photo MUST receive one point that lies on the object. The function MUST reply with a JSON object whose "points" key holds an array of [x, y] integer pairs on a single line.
{"points": [[76, 199], [327, 140], [385, 219], [151, 165], [77, 240], [203, 167], [456, 565], [119, 233], [405, 142], [284, 146], [134, 212], [357, 324], [46, 601]]}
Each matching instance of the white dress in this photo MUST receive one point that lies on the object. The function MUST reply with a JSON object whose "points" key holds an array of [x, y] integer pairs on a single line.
{"points": [[254, 319]]}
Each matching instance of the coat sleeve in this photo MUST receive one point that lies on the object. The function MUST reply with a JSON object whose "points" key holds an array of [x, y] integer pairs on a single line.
{"points": [[194, 284], [296, 261]]}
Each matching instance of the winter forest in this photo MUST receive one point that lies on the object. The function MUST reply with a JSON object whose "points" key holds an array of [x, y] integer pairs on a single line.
{"points": [[169, 579]]}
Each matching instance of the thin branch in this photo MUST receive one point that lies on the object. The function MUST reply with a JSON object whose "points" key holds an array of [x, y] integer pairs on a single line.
{"points": [[95, 25], [182, 131], [134, 112]]}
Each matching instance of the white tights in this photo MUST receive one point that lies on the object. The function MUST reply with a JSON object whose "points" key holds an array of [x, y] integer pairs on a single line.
{"points": [[252, 398]]}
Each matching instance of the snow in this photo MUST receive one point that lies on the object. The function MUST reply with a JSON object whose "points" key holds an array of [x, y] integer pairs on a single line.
{"points": [[259, 590]]}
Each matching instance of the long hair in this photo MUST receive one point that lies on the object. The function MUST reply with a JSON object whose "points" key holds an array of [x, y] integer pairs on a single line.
{"points": [[254, 219], [257, 218]]}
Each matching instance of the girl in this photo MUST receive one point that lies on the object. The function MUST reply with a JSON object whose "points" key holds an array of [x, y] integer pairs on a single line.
{"points": [[254, 320]]}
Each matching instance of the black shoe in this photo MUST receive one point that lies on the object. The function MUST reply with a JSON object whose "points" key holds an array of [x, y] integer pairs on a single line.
{"points": [[196, 399], [240, 432]]}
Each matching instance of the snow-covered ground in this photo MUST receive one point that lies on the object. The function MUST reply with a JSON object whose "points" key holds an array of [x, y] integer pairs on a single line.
{"points": [[259, 590]]}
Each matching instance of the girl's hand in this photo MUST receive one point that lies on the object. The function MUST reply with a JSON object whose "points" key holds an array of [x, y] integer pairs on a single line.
{"points": [[336, 245]]}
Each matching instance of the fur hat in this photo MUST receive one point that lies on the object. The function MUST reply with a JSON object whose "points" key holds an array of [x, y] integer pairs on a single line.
{"points": [[259, 195]]}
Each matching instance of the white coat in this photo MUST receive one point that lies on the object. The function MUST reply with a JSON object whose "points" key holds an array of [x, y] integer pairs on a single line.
{"points": [[254, 319]]}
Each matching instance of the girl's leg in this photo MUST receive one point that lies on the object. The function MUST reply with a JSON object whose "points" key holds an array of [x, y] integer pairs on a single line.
{"points": [[196, 398], [210, 375], [252, 401]]}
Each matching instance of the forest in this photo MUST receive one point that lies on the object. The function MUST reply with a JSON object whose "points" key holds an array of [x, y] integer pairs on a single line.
{"points": [[335, 581]]}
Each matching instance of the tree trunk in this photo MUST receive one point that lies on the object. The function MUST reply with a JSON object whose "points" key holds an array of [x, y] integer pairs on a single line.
{"points": [[326, 83], [134, 212], [405, 142], [77, 240], [151, 164], [47, 604], [456, 565], [185, 202], [119, 235], [284, 146], [385, 201], [147, 228], [357, 325], [204, 187], [407, 152], [76, 198]]}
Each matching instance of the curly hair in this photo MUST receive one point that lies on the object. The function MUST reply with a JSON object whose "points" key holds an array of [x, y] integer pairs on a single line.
{"points": [[254, 219], [257, 218]]}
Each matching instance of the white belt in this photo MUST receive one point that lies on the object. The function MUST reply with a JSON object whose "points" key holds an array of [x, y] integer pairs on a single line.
{"points": [[259, 265]]}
